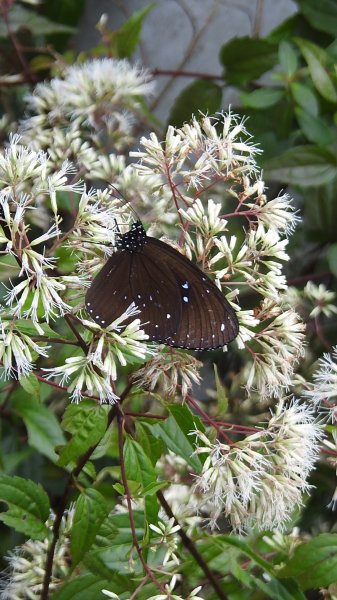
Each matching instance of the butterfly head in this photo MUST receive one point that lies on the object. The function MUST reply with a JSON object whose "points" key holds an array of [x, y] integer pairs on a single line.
{"points": [[134, 239]]}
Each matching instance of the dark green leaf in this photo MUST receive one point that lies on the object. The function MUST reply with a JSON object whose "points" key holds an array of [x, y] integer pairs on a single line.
{"points": [[28, 506], [127, 37], [321, 15], [316, 58], [314, 564], [262, 98], [246, 59], [288, 58], [305, 98], [152, 446], [175, 434], [137, 464], [280, 590], [44, 431], [90, 512], [89, 587], [315, 129], [200, 96], [332, 259], [87, 421], [20, 17], [302, 165]]}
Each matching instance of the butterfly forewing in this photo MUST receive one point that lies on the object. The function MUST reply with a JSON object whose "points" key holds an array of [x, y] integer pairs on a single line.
{"points": [[207, 319]]}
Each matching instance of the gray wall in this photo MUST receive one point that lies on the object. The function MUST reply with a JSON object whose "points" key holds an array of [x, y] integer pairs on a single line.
{"points": [[185, 34]]}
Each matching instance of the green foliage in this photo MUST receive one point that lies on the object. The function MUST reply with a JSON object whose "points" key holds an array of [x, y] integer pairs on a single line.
{"points": [[28, 506], [204, 96]]}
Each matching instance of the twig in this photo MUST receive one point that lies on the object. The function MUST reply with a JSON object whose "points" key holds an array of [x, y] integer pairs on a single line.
{"points": [[149, 573]]}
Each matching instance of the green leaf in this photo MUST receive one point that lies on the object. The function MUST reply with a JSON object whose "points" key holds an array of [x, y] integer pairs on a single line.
{"points": [[137, 464], [302, 165], [200, 96], [89, 587], [262, 98], [31, 385], [305, 98], [314, 564], [332, 258], [221, 394], [21, 17], [105, 443], [316, 58], [28, 506], [288, 58], [315, 129], [126, 39], [151, 445], [44, 431], [321, 15], [280, 590], [175, 434], [87, 421], [90, 511], [246, 59]]}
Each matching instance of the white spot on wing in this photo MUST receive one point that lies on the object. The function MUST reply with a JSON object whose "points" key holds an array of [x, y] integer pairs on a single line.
{"points": [[168, 316], [222, 327], [185, 298], [185, 285]]}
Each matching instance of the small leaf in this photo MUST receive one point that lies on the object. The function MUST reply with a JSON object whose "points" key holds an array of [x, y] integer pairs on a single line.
{"points": [[316, 58], [31, 385], [127, 37], [246, 59], [315, 129], [90, 511], [314, 564], [44, 431], [137, 464], [305, 98], [332, 258], [23, 18], [87, 422], [221, 394], [175, 434], [28, 506], [321, 15], [262, 98], [199, 97], [302, 165], [288, 58]]}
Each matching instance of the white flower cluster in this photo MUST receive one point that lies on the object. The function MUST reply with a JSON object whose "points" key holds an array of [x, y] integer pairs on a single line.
{"points": [[259, 481], [86, 113]]}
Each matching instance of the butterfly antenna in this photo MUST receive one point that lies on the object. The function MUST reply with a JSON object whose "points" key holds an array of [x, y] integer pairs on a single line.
{"points": [[125, 202]]}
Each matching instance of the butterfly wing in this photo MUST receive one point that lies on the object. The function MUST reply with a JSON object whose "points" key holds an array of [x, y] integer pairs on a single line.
{"points": [[207, 319], [133, 277]]}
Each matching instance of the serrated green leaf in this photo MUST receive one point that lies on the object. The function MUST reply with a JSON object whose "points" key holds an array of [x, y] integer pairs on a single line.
{"points": [[288, 58], [87, 422], [332, 258], [321, 15], [90, 511], [315, 129], [305, 98], [314, 564], [137, 464], [44, 431], [302, 165], [28, 506], [316, 59], [246, 59], [262, 98], [31, 385], [125, 40], [175, 434], [152, 446], [200, 96]]}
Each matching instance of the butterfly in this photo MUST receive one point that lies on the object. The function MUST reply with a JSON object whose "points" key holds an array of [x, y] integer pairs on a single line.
{"points": [[179, 305]]}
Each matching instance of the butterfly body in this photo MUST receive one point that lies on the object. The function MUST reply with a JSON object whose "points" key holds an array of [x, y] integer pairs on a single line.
{"points": [[179, 305]]}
